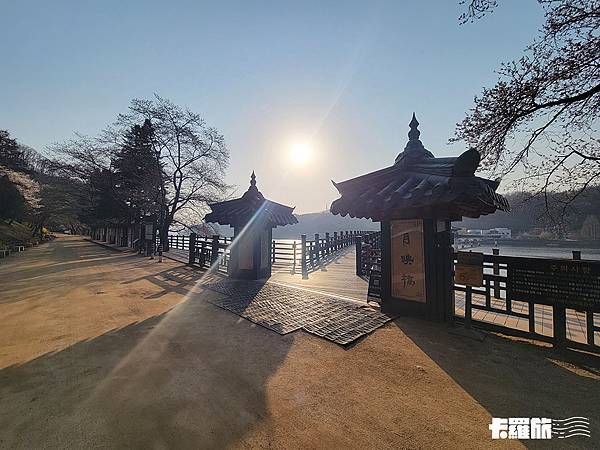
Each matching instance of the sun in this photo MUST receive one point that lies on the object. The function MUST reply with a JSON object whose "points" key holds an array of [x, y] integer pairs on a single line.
{"points": [[300, 154]]}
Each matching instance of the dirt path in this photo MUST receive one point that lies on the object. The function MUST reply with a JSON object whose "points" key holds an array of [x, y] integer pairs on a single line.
{"points": [[98, 357]]}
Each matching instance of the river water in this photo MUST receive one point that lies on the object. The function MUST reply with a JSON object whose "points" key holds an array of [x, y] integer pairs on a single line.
{"points": [[536, 251]]}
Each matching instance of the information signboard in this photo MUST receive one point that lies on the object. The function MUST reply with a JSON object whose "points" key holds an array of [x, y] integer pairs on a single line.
{"points": [[408, 265], [573, 284], [374, 290]]}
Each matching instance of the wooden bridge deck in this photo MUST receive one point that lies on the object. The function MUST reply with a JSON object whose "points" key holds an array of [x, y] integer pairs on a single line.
{"points": [[336, 277]]}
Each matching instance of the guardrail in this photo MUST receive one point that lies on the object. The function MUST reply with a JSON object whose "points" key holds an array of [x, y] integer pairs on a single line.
{"points": [[304, 254], [538, 315], [526, 316]]}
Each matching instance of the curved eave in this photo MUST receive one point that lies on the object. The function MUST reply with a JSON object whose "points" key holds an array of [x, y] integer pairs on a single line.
{"points": [[421, 195], [239, 211]]}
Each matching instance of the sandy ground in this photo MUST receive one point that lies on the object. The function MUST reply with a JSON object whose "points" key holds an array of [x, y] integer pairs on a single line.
{"points": [[100, 349]]}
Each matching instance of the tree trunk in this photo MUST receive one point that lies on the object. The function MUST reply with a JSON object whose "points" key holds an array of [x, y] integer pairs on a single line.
{"points": [[164, 236]]}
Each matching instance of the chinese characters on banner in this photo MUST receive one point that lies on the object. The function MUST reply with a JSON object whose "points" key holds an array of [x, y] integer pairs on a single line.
{"points": [[408, 268]]}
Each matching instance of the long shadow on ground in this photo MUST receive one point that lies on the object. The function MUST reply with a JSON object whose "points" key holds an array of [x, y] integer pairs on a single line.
{"points": [[516, 378], [193, 377]]}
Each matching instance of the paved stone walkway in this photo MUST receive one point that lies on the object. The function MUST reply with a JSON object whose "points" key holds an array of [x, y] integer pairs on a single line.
{"points": [[284, 309]]}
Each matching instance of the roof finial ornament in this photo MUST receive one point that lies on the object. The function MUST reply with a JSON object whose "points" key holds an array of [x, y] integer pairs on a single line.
{"points": [[414, 149], [414, 133], [253, 179]]}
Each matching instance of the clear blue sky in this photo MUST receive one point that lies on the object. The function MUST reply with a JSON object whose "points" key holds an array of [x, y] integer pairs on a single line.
{"points": [[342, 75]]}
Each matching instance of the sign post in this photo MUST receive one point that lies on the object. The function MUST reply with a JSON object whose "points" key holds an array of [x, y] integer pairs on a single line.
{"points": [[469, 272]]}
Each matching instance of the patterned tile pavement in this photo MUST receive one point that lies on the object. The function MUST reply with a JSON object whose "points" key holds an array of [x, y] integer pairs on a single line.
{"points": [[284, 309]]}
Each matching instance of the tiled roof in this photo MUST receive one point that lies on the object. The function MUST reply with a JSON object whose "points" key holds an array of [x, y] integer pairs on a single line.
{"points": [[240, 210], [420, 185]]}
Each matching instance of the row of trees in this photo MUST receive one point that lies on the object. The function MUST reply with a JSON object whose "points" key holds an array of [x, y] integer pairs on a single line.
{"points": [[157, 160]]}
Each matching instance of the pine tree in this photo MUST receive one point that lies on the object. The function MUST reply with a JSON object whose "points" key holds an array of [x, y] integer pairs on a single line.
{"points": [[137, 172]]}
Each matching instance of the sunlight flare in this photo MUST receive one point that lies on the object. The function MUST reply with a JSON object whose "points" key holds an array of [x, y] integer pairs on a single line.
{"points": [[300, 154]]}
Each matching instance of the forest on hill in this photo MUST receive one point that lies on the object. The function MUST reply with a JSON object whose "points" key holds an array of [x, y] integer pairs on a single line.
{"points": [[561, 214]]}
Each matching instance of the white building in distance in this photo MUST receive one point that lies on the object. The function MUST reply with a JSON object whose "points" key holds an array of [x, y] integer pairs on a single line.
{"points": [[492, 233]]}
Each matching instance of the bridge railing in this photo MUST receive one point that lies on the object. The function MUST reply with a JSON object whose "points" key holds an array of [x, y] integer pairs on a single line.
{"points": [[318, 251], [549, 317], [299, 255], [551, 300]]}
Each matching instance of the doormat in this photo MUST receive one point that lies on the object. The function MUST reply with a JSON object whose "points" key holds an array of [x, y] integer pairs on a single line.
{"points": [[285, 309]]}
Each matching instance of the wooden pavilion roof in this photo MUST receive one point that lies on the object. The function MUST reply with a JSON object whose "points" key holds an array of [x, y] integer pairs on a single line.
{"points": [[420, 185], [239, 211]]}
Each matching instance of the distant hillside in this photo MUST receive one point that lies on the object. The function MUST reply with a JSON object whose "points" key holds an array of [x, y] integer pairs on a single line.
{"points": [[529, 212], [312, 223]]}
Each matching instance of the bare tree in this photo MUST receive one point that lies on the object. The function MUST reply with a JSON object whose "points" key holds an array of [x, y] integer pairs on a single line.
{"points": [[542, 114], [191, 159]]}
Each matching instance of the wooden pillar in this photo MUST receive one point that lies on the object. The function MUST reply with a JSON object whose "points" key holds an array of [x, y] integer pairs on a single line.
{"points": [[192, 249], [141, 239], [294, 252], [496, 269], [358, 241], [273, 251], [468, 306], [589, 315], [327, 244], [317, 247], [214, 250], [559, 318], [335, 241], [303, 256]]}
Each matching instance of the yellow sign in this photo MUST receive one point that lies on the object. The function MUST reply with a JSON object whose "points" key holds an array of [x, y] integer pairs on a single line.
{"points": [[468, 275], [469, 269], [408, 263]]}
